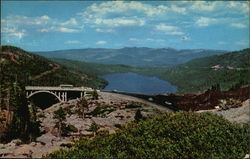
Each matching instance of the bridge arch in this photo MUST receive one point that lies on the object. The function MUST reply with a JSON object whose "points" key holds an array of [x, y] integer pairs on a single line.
{"points": [[36, 92]]}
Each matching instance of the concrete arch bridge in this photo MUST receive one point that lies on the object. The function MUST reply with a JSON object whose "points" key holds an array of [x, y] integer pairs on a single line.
{"points": [[61, 93]]}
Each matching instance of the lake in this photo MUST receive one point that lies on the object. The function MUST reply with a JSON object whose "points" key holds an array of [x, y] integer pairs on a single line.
{"points": [[135, 83]]}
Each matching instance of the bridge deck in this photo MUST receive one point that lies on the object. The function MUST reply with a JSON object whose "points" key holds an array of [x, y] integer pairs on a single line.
{"points": [[46, 88]]}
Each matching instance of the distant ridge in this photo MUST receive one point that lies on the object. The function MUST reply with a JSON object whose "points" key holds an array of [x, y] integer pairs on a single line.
{"points": [[135, 56]]}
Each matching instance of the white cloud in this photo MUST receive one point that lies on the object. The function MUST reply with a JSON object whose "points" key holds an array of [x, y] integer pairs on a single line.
{"points": [[238, 25], [133, 39], [121, 13], [239, 6], [25, 20], [155, 40], [112, 7], [58, 29], [205, 21], [221, 43], [178, 9], [104, 30], [13, 31], [168, 29], [135, 13], [41, 24], [72, 42], [101, 42], [218, 7], [176, 33], [67, 30], [203, 6], [164, 27], [72, 22], [242, 43], [119, 22]]}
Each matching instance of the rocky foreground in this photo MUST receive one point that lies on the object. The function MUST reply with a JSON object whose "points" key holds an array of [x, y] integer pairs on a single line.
{"points": [[119, 111]]}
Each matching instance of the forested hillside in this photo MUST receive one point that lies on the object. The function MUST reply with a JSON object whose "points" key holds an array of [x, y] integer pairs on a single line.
{"points": [[228, 71], [30, 69], [20, 68], [95, 69]]}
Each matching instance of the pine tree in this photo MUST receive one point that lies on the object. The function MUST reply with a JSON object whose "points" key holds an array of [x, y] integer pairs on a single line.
{"points": [[82, 104], [95, 95], [94, 128], [60, 116]]}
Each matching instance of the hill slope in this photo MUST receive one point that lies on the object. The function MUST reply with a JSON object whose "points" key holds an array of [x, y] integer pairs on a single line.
{"points": [[31, 69], [228, 70], [20, 68], [95, 69], [132, 55]]}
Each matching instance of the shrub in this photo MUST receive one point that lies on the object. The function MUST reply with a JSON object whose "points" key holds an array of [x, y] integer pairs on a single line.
{"points": [[138, 115], [101, 111], [95, 95], [67, 128], [229, 103], [132, 106], [118, 126], [172, 135], [103, 133], [94, 128]]}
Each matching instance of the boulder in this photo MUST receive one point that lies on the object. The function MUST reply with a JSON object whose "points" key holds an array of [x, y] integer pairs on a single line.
{"points": [[112, 132], [16, 141], [4, 152], [12, 145], [33, 144], [2, 146], [87, 133], [47, 138], [246, 156], [24, 150]]}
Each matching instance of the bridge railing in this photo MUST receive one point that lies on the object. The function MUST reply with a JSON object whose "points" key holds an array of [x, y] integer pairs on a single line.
{"points": [[54, 88]]}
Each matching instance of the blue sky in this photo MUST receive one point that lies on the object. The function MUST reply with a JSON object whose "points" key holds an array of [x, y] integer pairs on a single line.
{"points": [[56, 25]]}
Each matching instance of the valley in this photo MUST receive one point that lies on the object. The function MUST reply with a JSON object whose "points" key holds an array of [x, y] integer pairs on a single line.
{"points": [[199, 74]]}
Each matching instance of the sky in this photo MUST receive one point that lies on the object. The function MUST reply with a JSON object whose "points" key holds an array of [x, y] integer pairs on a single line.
{"points": [[58, 25]]}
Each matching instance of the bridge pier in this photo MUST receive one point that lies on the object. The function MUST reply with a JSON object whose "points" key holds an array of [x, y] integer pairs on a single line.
{"points": [[64, 96], [59, 94]]}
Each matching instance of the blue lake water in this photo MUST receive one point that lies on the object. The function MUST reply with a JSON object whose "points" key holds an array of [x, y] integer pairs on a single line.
{"points": [[135, 83]]}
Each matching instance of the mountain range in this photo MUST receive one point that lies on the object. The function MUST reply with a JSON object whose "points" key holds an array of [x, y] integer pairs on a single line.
{"points": [[133, 56]]}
